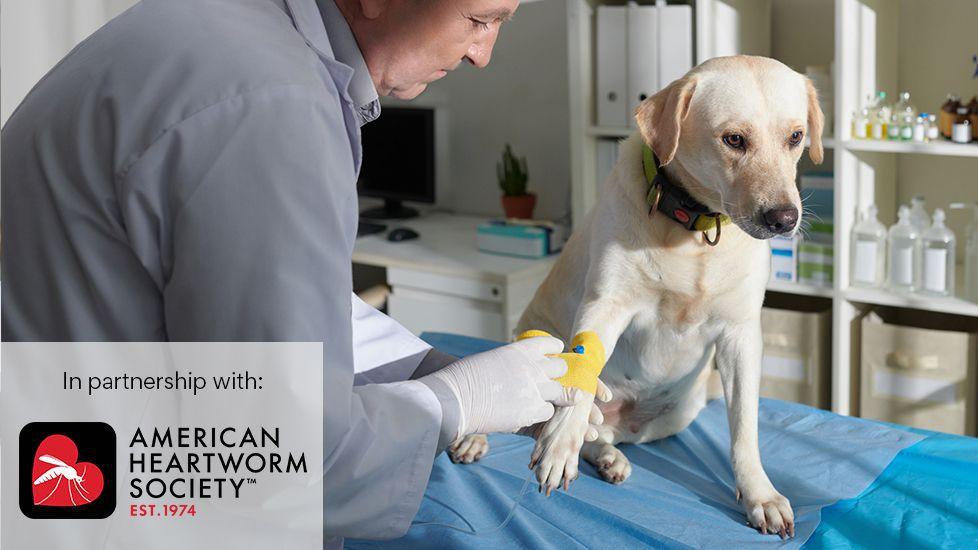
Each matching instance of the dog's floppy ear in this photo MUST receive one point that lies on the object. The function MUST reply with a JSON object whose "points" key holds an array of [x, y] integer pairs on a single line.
{"points": [[815, 121], [660, 117]]}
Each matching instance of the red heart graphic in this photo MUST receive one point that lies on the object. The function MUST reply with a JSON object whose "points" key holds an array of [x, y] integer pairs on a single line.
{"points": [[58, 480]]}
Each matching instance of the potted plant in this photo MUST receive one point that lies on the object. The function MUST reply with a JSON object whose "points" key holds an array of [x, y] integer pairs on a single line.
{"points": [[512, 174]]}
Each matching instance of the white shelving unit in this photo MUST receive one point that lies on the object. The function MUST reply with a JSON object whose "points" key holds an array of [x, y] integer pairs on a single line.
{"points": [[943, 148], [866, 58]]}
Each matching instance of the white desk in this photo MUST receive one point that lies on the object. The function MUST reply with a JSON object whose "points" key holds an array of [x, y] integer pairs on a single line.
{"points": [[441, 282]]}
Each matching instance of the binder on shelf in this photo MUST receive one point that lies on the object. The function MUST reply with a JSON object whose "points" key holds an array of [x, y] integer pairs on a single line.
{"points": [[612, 83], [642, 55], [640, 49], [675, 43]]}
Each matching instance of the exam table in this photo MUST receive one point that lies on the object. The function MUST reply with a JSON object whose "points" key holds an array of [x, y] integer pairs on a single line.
{"points": [[853, 483]]}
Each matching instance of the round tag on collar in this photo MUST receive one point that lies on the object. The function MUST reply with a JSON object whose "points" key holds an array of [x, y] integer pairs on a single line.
{"points": [[681, 215]]}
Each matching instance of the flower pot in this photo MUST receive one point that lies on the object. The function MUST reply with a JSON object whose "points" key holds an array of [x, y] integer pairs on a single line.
{"points": [[519, 206]]}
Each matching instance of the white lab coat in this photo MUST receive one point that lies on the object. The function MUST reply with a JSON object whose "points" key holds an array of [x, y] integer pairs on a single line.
{"points": [[188, 173], [382, 471]]}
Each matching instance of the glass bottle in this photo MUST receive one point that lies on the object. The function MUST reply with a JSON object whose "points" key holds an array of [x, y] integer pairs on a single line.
{"points": [[867, 251], [949, 111], [971, 256], [860, 121], [880, 117], [904, 107], [918, 213], [893, 128], [970, 253], [938, 270], [904, 254], [920, 128], [933, 130], [906, 127]]}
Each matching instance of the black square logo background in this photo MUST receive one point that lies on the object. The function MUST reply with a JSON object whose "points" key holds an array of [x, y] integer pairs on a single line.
{"points": [[96, 442]]}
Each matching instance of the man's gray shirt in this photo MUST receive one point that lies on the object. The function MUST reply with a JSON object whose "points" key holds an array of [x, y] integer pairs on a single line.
{"points": [[188, 173]]}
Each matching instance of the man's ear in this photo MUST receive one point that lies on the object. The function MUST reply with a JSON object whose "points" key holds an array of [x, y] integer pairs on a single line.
{"points": [[815, 122], [660, 117]]}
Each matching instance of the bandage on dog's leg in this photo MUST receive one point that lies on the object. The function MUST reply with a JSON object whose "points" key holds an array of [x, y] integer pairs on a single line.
{"points": [[584, 361]]}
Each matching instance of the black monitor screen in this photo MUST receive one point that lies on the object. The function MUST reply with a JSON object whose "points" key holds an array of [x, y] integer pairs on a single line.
{"points": [[399, 155]]}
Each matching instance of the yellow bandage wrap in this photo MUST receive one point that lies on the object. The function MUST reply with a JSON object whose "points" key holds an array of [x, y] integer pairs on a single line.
{"points": [[584, 361]]}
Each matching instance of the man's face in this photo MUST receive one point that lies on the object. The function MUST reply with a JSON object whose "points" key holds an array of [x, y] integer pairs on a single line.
{"points": [[410, 43]]}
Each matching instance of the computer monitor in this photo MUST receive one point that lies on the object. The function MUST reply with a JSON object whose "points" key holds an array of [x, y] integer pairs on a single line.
{"points": [[398, 161]]}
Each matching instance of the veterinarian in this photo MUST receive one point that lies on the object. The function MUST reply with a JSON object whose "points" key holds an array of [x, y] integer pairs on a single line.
{"points": [[189, 173]]}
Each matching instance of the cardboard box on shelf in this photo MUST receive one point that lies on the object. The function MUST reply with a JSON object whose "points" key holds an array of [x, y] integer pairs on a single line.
{"points": [[915, 371], [797, 360], [797, 350]]}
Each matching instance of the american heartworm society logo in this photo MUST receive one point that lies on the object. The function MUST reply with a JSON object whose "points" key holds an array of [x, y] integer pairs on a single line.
{"points": [[67, 470]]}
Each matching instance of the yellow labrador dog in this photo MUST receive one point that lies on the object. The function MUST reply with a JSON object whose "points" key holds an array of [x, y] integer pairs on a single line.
{"points": [[656, 272]]}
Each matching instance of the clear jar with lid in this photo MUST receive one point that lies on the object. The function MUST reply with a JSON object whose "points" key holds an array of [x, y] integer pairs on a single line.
{"points": [[961, 130]]}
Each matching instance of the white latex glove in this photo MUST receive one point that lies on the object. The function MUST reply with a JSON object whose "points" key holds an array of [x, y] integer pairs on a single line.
{"points": [[504, 389]]}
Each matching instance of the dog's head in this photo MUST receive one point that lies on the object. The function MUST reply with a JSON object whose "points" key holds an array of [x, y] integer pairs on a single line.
{"points": [[736, 127]]}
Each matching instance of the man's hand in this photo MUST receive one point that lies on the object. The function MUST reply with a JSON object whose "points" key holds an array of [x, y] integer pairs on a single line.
{"points": [[504, 389]]}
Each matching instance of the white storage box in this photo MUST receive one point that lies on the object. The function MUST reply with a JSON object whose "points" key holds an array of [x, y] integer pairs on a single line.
{"points": [[784, 259], [918, 372]]}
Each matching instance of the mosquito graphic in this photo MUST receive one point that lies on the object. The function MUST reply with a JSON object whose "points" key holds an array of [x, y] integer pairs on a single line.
{"points": [[62, 470]]}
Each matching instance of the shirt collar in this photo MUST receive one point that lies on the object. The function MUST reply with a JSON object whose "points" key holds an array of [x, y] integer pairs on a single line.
{"points": [[362, 90]]}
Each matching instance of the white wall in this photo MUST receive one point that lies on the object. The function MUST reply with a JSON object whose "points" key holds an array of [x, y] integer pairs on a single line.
{"points": [[522, 97], [36, 34]]}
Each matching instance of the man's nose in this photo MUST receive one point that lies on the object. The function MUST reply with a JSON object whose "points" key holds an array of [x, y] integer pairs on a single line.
{"points": [[781, 219], [481, 51]]}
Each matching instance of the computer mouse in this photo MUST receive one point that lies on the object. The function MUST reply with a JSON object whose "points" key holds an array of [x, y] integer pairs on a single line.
{"points": [[402, 234]]}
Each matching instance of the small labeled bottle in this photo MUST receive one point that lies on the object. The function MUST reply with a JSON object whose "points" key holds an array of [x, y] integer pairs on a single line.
{"points": [[906, 127], [903, 274], [938, 266], [860, 121], [933, 130], [880, 117], [920, 129], [893, 128], [868, 251], [961, 130], [918, 214]]}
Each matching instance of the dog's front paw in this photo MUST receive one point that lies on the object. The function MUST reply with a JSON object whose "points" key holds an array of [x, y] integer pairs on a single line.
{"points": [[469, 449], [767, 510], [558, 447]]}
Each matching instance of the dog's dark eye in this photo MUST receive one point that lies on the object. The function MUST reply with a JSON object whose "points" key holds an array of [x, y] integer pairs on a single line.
{"points": [[795, 138], [736, 141]]}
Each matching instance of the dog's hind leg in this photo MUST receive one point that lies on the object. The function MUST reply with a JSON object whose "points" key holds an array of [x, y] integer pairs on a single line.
{"points": [[612, 464], [469, 448]]}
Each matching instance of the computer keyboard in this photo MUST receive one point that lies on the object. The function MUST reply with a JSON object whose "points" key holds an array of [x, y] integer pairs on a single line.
{"points": [[369, 228]]}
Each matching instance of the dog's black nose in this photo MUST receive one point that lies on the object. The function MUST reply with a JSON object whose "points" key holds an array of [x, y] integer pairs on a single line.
{"points": [[781, 219]]}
